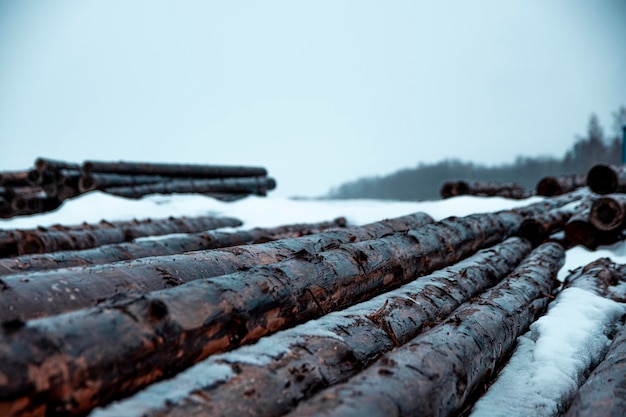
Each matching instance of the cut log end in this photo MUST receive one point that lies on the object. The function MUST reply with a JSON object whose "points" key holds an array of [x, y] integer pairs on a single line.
{"points": [[602, 179], [607, 214], [548, 187], [532, 230]]}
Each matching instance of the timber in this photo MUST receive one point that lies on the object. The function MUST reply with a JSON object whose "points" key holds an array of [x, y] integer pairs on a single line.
{"points": [[101, 181], [40, 241], [607, 179], [168, 245], [604, 393], [308, 358], [557, 185], [602, 277], [46, 164], [57, 364], [36, 295], [484, 188], [254, 185], [173, 170], [14, 178], [435, 373], [538, 228], [608, 213]]}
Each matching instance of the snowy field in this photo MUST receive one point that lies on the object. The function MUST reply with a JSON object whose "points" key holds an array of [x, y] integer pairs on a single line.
{"points": [[550, 358]]}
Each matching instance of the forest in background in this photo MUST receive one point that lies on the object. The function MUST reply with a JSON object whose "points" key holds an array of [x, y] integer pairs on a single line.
{"points": [[424, 181]]}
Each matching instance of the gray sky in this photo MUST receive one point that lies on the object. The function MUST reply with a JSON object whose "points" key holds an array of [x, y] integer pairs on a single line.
{"points": [[319, 92]]}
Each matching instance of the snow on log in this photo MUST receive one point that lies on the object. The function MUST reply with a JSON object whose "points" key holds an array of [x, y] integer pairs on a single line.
{"points": [[271, 376], [552, 360], [435, 373], [557, 185], [167, 245], [58, 364], [32, 295], [44, 241]]}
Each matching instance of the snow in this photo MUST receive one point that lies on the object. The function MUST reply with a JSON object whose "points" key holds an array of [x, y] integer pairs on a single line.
{"points": [[549, 362]]}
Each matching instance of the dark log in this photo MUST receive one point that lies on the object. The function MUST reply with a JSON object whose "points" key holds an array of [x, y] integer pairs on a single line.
{"points": [[37, 241], [264, 381], [484, 188], [255, 185], [602, 277], [99, 181], [34, 204], [57, 365], [14, 178], [557, 185], [435, 373], [609, 212], [539, 227], [168, 245], [173, 170], [36, 295], [604, 392], [607, 179], [45, 164]]}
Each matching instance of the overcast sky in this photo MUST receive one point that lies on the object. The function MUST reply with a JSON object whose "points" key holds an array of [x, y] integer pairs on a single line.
{"points": [[319, 92]]}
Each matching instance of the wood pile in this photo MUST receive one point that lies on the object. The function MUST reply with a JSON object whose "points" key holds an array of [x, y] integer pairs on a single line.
{"points": [[51, 182]]}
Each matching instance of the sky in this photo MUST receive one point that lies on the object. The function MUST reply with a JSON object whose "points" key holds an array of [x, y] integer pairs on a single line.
{"points": [[319, 93]]}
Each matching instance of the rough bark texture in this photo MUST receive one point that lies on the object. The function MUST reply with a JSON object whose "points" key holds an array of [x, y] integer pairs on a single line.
{"points": [[173, 170], [38, 241], [608, 213], [607, 179], [270, 377], [483, 188], [604, 392], [167, 245], [36, 295], [551, 186], [602, 277], [434, 374], [255, 185], [59, 364], [538, 228]]}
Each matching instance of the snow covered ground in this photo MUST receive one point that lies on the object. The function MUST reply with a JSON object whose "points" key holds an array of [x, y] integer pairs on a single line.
{"points": [[551, 356]]}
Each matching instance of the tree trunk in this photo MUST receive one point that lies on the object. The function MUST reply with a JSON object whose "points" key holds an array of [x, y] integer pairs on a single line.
{"points": [[608, 213], [100, 181], [551, 186], [484, 188], [38, 241], [310, 357], [14, 178], [607, 179], [45, 164], [434, 374], [539, 228], [173, 170], [604, 392], [29, 296], [58, 365], [255, 185], [167, 245], [602, 277]]}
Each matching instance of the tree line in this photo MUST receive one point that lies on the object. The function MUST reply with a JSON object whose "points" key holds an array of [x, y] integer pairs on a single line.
{"points": [[424, 181]]}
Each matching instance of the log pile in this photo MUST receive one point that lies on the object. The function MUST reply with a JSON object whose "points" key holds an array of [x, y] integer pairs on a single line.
{"points": [[51, 182]]}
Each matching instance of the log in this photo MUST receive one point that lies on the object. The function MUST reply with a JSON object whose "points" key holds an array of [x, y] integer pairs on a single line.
{"points": [[57, 364], [173, 170], [168, 245], [264, 381], [435, 373], [14, 178], [46, 164], [604, 392], [34, 204], [608, 213], [601, 277], [557, 185], [607, 179], [100, 181], [484, 188], [38, 241], [538, 228], [36, 295], [254, 185]]}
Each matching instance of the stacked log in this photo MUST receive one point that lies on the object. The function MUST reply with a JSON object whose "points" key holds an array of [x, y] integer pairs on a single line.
{"points": [[607, 179], [556, 185], [51, 182], [484, 188]]}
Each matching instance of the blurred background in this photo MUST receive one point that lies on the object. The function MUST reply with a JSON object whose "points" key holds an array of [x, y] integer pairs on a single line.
{"points": [[330, 96]]}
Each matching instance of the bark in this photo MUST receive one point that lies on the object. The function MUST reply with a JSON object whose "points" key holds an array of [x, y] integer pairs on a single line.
{"points": [[551, 186], [173, 170], [168, 245], [37, 241], [604, 392], [254, 185], [538, 228], [45, 293], [45, 164], [435, 373], [100, 181], [607, 179], [310, 357], [602, 277], [14, 178], [484, 188], [58, 365], [608, 213]]}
